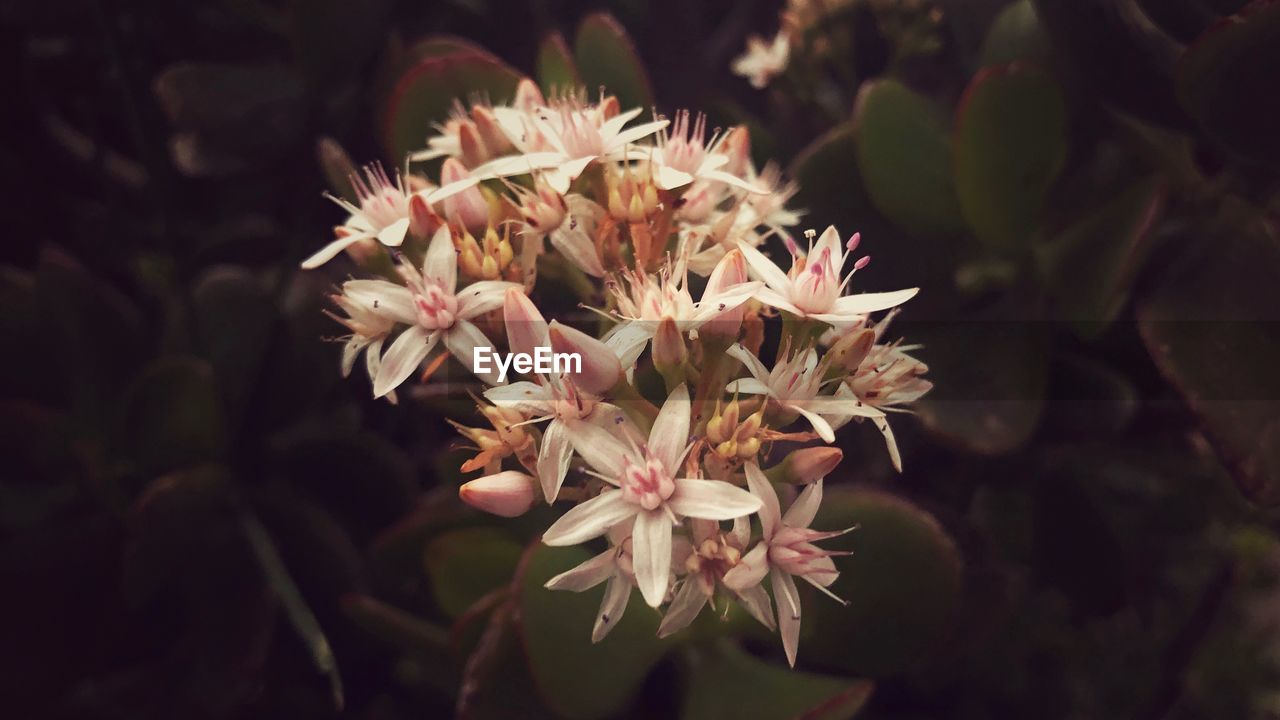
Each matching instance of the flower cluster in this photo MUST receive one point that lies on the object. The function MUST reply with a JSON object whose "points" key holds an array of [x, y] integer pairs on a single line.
{"points": [[669, 435]]}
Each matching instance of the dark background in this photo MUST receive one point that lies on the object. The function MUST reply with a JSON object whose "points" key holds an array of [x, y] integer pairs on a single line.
{"points": [[194, 504]]}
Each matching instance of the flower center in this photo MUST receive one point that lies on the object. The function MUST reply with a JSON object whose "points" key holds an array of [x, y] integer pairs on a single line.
{"points": [[580, 136], [817, 287], [382, 201], [647, 485], [436, 308]]}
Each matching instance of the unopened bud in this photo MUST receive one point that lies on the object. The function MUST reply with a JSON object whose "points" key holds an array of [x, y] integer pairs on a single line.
{"points": [[669, 351], [850, 350], [467, 208], [600, 366], [810, 464], [509, 493], [730, 271]]}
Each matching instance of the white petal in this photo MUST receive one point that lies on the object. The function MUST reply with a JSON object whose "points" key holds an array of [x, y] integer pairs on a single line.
{"points": [[819, 423], [389, 299], [803, 510], [670, 178], [684, 607], [864, 303], [651, 554], [753, 364], [393, 234], [330, 251], [750, 570], [587, 575], [787, 598], [350, 350], [770, 511], [776, 299], [455, 187], [747, 386], [728, 299], [462, 340], [441, 262], [763, 267], [553, 459], [712, 500], [616, 594], [403, 358], [633, 134], [629, 340], [670, 433], [529, 398], [577, 246], [591, 519], [756, 602], [610, 128], [829, 241], [603, 451], [731, 180], [894, 456], [479, 298]]}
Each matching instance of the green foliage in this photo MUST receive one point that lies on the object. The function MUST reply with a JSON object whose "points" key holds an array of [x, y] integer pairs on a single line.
{"points": [[726, 682], [902, 582], [1011, 144], [580, 679], [607, 58], [904, 153]]}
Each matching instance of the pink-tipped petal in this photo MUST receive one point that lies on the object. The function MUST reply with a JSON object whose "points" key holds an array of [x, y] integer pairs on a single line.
{"points": [[591, 519], [770, 511], [587, 575], [670, 434], [601, 369], [526, 328], [712, 500], [403, 358], [553, 459], [508, 494], [651, 554], [441, 262]]}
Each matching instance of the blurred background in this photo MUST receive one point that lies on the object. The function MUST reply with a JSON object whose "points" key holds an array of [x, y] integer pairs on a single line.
{"points": [[200, 519]]}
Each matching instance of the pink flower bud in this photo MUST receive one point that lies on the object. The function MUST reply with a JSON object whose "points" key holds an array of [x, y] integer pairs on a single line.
{"points": [[730, 271], [737, 146], [600, 367], [528, 96], [810, 464], [467, 208], [509, 493], [669, 351], [526, 328]]}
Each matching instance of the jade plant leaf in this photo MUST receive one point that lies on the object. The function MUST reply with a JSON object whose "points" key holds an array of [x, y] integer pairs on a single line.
{"points": [[171, 417], [725, 682], [557, 70], [465, 565], [1119, 53], [989, 374], [902, 583], [1227, 83], [1090, 265], [607, 58], [1011, 144], [580, 679], [1212, 330], [1016, 34], [424, 92], [234, 315], [904, 153], [832, 189]]}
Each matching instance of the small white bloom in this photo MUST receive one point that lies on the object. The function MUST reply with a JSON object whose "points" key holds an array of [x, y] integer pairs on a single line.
{"points": [[813, 288], [712, 554], [647, 494], [785, 552], [384, 213], [795, 384], [613, 566], [763, 60], [437, 311]]}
